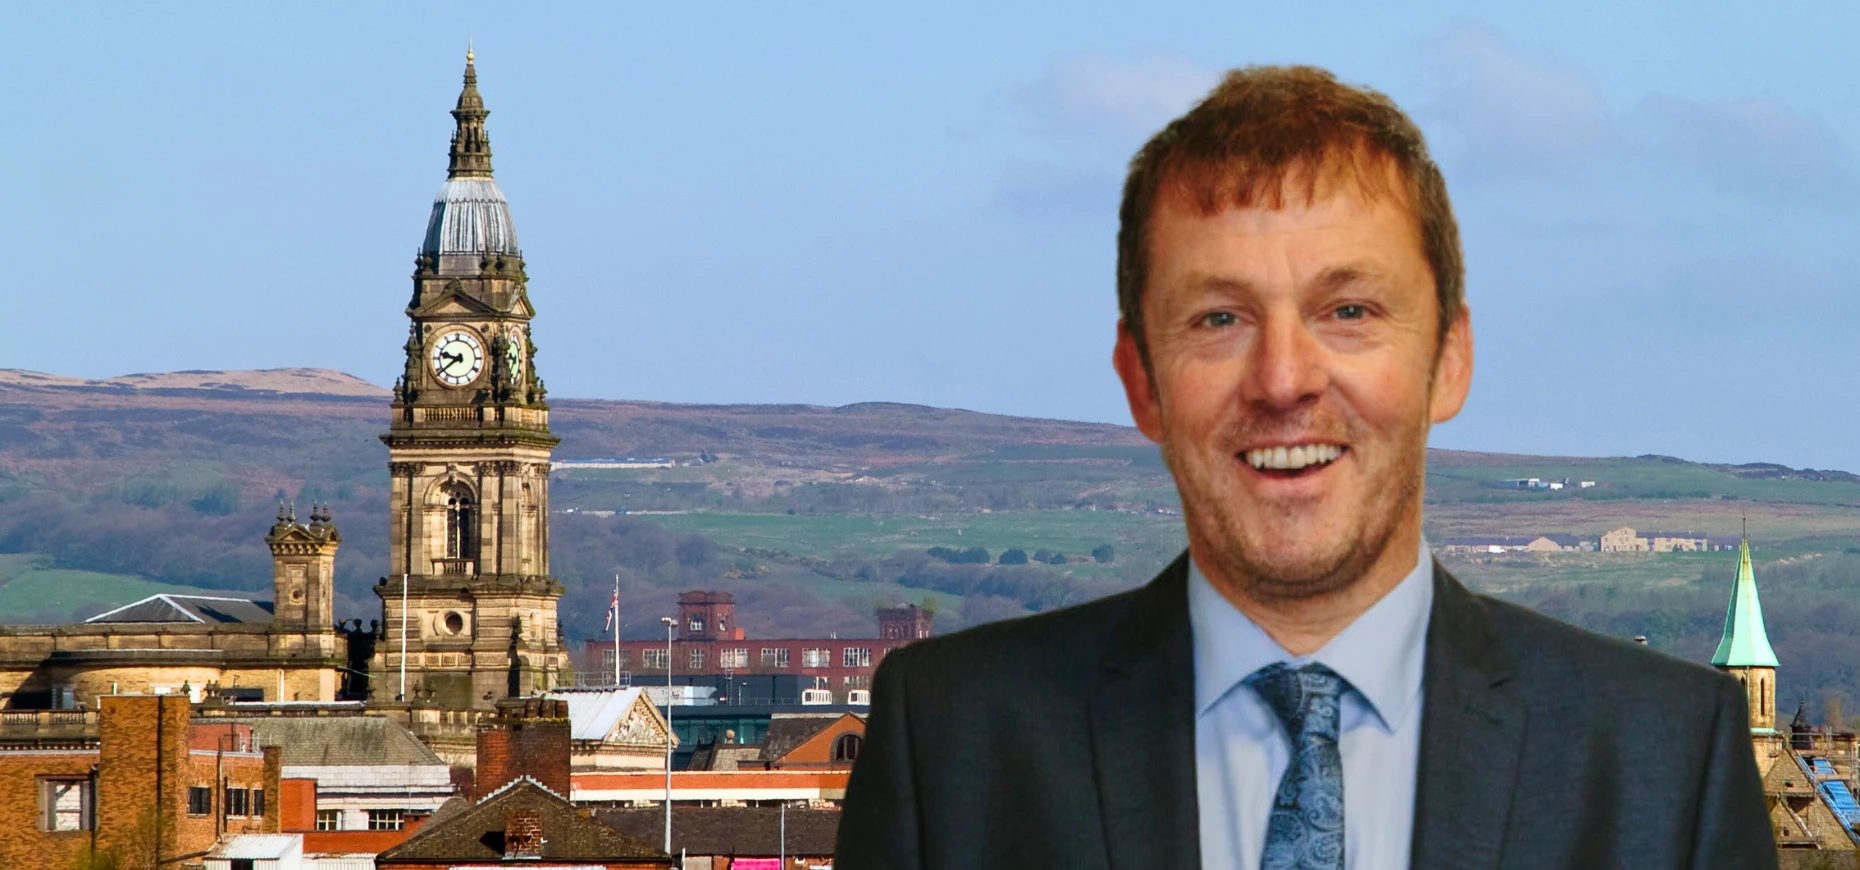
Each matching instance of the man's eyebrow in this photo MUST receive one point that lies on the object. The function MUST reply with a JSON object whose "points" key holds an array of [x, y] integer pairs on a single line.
{"points": [[1342, 276], [1212, 283]]}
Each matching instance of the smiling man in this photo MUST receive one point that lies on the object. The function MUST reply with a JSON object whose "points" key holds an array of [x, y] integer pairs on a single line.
{"points": [[1304, 687]]}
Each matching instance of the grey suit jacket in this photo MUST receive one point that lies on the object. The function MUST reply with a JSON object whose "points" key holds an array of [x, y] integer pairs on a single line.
{"points": [[1067, 740]]}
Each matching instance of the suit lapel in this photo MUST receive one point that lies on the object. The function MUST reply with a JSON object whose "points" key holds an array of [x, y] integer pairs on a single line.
{"points": [[1143, 731], [1472, 733]]}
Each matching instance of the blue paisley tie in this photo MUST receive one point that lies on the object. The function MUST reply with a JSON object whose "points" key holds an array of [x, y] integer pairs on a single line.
{"points": [[1306, 828]]}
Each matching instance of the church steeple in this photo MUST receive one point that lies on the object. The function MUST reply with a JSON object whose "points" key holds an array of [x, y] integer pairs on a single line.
{"points": [[471, 147], [1745, 651], [1746, 643]]}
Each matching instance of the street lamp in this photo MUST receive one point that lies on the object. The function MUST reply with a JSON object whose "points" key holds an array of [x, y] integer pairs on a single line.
{"points": [[669, 623]]}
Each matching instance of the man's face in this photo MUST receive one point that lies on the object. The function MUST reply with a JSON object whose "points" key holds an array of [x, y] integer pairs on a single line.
{"points": [[1293, 377]]}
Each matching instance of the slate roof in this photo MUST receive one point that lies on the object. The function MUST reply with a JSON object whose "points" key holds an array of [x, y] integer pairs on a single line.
{"points": [[340, 740], [193, 609], [724, 756], [788, 730], [593, 715], [746, 832], [476, 835]]}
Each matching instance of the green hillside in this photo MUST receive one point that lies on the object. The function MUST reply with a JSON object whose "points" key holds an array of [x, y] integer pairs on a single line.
{"points": [[33, 593]]}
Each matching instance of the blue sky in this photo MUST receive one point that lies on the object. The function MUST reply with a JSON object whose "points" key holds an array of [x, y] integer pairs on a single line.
{"points": [[848, 202]]}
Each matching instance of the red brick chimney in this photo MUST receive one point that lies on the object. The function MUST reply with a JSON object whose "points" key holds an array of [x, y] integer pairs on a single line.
{"points": [[523, 834], [527, 737]]}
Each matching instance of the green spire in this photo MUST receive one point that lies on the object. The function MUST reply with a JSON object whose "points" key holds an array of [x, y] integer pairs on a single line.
{"points": [[1745, 644]]}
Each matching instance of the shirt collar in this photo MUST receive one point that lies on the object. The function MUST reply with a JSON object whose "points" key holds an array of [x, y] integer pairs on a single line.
{"points": [[1380, 654]]}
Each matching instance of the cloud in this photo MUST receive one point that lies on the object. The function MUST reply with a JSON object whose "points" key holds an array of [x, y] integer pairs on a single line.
{"points": [[1507, 103], [1757, 148], [1121, 96], [1499, 110]]}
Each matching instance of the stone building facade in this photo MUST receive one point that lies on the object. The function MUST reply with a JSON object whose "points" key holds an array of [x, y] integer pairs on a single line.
{"points": [[288, 649], [469, 607]]}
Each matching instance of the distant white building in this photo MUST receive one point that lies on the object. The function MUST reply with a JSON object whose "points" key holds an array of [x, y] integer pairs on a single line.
{"points": [[626, 462]]}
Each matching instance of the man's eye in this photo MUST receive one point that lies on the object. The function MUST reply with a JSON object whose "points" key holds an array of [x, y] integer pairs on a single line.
{"points": [[1219, 319], [1351, 312]]}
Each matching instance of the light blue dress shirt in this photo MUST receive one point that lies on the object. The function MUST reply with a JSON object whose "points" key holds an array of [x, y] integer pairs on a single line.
{"points": [[1241, 749]]}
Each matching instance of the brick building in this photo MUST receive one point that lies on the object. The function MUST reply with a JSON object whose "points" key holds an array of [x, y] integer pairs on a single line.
{"points": [[136, 781], [709, 643], [522, 824]]}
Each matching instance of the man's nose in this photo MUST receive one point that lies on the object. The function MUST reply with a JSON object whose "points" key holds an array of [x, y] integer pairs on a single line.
{"points": [[1286, 366]]}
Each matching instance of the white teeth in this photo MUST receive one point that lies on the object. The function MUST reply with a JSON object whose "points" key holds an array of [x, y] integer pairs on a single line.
{"points": [[1293, 458]]}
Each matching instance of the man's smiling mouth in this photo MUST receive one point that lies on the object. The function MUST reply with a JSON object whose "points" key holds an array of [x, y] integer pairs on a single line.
{"points": [[1293, 459]]}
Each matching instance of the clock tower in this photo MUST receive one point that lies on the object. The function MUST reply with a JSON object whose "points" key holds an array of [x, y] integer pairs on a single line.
{"points": [[469, 598]]}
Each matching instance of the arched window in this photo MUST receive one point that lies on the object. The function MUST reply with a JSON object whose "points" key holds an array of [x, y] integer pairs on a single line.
{"points": [[846, 747], [1763, 697], [460, 519]]}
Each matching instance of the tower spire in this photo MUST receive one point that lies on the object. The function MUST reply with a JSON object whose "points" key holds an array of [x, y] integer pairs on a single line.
{"points": [[471, 147], [1746, 643]]}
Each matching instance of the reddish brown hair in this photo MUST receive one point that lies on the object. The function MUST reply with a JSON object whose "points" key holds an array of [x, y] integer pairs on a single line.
{"points": [[1266, 132]]}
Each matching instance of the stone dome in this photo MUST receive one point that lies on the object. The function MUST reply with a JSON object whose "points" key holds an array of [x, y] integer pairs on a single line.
{"points": [[470, 216]]}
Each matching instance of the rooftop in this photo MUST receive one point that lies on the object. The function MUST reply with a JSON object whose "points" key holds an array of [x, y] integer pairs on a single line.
{"points": [[198, 609], [329, 741]]}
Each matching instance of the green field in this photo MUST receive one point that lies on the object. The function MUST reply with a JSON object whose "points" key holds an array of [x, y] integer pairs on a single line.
{"points": [[30, 592], [1143, 542]]}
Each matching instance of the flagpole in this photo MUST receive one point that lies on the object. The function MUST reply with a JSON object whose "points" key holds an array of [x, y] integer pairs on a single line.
{"points": [[616, 629], [615, 607], [403, 638]]}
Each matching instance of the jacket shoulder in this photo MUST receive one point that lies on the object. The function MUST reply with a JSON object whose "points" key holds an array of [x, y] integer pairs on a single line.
{"points": [[1543, 649], [1075, 634]]}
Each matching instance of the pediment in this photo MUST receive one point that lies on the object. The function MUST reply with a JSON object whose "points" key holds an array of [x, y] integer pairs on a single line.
{"points": [[453, 300], [642, 726]]}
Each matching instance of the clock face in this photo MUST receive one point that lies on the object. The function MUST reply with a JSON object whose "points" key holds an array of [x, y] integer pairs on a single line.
{"points": [[457, 358], [513, 354]]}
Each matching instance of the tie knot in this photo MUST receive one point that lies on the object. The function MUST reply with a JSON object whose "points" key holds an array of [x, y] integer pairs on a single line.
{"points": [[1304, 698]]}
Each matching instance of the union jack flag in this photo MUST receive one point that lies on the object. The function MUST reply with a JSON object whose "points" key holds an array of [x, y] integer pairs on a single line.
{"points": [[613, 610]]}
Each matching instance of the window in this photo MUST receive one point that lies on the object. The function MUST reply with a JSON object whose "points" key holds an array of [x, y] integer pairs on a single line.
{"points": [[773, 657], [697, 623], [236, 802], [654, 658], [384, 820], [846, 747], [459, 518], [329, 820], [697, 658], [816, 658], [258, 801], [859, 682], [734, 658], [199, 801], [65, 804], [856, 657]]}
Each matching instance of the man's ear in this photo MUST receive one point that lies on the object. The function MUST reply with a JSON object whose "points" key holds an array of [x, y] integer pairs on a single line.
{"points": [[1139, 389], [1453, 370]]}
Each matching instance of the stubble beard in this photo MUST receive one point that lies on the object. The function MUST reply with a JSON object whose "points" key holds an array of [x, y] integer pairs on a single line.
{"points": [[1243, 548]]}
